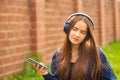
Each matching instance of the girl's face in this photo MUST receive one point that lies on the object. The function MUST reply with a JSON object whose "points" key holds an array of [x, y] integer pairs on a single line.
{"points": [[78, 33]]}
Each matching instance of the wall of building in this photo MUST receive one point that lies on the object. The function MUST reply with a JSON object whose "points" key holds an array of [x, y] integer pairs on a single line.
{"points": [[15, 38], [37, 25]]}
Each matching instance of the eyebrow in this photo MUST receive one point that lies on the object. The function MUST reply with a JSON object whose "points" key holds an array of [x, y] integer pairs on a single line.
{"points": [[78, 28], [75, 27]]}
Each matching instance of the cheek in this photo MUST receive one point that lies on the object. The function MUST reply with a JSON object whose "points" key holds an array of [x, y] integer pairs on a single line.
{"points": [[70, 35], [83, 38]]}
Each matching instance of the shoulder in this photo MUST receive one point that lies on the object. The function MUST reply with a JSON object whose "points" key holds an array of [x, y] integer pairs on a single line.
{"points": [[107, 73], [104, 60], [101, 52], [57, 53], [102, 55], [55, 61]]}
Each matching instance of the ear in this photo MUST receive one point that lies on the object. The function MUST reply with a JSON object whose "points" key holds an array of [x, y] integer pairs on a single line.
{"points": [[66, 27]]}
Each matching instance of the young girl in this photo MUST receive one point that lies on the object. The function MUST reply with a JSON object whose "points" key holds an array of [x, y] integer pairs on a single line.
{"points": [[79, 58]]}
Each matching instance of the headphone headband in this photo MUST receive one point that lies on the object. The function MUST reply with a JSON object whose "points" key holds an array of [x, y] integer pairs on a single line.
{"points": [[80, 14], [67, 23]]}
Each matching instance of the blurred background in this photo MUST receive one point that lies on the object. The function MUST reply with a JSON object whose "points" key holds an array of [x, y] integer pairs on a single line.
{"points": [[34, 28]]}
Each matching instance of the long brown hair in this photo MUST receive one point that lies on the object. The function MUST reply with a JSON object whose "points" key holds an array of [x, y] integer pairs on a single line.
{"points": [[88, 63]]}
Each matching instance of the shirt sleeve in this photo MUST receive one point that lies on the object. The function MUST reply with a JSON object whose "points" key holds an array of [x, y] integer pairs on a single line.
{"points": [[107, 73], [53, 75]]}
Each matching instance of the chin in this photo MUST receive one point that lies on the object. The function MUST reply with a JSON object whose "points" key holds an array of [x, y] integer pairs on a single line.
{"points": [[76, 43]]}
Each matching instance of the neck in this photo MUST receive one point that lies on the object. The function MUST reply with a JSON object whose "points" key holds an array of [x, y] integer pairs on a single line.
{"points": [[75, 49]]}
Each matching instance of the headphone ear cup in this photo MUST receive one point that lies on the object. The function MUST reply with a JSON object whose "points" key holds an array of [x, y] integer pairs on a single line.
{"points": [[66, 27]]}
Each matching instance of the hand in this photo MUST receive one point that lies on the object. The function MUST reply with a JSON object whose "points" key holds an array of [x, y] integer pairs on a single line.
{"points": [[41, 70]]}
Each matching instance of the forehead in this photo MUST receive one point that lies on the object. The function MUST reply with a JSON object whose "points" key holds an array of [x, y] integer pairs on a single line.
{"points": [[81, 25]]}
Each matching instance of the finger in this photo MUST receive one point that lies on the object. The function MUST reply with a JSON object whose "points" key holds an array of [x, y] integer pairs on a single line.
{"points": [[41, 70], [40, 66], [35, 65]]}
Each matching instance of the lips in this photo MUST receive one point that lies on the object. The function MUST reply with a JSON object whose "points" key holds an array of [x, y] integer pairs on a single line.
{"points": [[76, 39]]}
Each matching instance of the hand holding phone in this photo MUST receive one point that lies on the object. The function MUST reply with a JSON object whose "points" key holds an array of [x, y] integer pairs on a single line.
{"points": [[36, 62]]}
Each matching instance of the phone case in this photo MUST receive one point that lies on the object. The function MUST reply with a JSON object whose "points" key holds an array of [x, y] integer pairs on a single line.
{"points": [[36, 62]]}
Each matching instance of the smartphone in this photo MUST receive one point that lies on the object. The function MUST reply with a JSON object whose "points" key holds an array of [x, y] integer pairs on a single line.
{"points": [[36, 62]]}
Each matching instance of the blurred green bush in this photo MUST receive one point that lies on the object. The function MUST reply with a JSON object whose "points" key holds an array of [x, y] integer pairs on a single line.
{"points": [[112, 53]]}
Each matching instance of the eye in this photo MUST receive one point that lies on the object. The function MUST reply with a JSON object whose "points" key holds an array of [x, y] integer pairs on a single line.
{"points": [[83, 32], [74, 29]]}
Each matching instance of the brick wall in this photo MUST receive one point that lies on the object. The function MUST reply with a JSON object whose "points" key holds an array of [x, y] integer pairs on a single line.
{"points": [[50, 18], [14, 35], [109, 21], [37, 25], [55, 15], [92, 8], [118, 22]]}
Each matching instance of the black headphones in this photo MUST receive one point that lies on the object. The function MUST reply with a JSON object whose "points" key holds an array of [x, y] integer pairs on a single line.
{"points": [[67, 23]]}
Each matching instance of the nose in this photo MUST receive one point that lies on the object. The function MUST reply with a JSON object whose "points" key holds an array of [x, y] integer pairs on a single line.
{"points": [[77, 34]]}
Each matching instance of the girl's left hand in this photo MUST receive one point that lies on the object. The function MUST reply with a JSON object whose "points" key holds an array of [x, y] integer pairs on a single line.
{"points": [[41, 70]]}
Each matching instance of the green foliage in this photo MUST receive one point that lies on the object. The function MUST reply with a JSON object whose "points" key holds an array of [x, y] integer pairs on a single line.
{"points": [[112, 53]]}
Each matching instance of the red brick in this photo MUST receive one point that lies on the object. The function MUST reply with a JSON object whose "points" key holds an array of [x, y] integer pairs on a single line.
{"points": [[11, 69], [3, 52]]}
